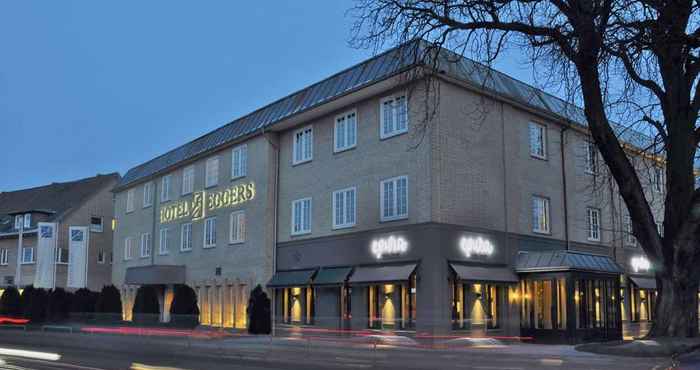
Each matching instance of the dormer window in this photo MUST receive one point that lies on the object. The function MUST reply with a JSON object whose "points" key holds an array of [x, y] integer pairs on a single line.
{"points": [[27, 221], [18, 222]]}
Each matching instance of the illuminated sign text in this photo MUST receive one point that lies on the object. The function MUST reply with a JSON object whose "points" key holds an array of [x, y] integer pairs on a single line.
{"points": [[640, 263], [202, 202], [476, 246], [389, 246]]}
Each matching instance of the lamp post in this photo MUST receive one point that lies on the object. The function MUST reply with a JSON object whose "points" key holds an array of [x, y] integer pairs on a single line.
{"points": [[18, 271]]}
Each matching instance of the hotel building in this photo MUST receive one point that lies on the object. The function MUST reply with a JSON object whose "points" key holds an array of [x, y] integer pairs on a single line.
{"points": [[361, 202], [85, 203]]}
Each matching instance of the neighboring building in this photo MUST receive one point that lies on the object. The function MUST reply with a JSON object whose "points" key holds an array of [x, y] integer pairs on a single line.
{"points": [[86, 203], [357, 205]]}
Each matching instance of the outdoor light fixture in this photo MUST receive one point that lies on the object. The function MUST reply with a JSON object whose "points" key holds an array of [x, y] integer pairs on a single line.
{"points": [[476, 246], [640, 263], [389, 246]]}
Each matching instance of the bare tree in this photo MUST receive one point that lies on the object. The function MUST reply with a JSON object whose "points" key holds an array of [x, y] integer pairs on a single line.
{"points": [[635, 59]]}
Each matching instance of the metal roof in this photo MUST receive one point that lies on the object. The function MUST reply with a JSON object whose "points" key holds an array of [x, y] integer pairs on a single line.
{"points": [[371, 71], [551, 261]]}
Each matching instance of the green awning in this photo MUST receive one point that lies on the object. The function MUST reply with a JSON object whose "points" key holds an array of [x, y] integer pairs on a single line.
{"points": [[332, 276], [382, 274], [283, 279], [648, 283], [492, 274]]}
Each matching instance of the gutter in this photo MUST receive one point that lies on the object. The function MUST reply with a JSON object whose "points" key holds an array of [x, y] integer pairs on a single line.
{"points": [[562, 148]]}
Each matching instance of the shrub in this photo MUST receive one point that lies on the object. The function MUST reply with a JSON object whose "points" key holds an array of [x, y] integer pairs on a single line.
{"points": [[59, 304], [109, 300], [259, 320], [146, 307], [34, 302], [83, 301], [183, 309], [10, 302]]}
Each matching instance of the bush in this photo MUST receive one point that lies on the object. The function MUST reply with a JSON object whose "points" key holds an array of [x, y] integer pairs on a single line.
{"points": [[34, 302], [146, 307], [59, 304], [109, 300], [183, 309], [10, 302], [84, 301], [259, 320]]}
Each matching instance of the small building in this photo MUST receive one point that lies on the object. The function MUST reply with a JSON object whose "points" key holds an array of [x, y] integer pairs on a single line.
{"points": [[84, 204]]}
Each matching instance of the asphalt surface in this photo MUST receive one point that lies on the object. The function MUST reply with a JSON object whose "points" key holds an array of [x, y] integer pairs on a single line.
{"points": [[293, 355]]}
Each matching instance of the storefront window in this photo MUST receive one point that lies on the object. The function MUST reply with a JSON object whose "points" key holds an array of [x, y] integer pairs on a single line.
{"points": [[298, 305], [543, 304], [596, 304], [392, 306], [475, 305]]}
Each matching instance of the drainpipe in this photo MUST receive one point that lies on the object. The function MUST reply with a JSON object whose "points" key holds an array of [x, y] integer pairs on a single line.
{"points": [[563, 181], [274, 221]]}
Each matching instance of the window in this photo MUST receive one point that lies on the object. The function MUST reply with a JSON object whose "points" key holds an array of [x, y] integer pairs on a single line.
{"points": [[658, 179], [101, 259], [186, 237], [188, 180], [165, 188], [344, 208], [61, 256], [147, 194], [301, 216], [593, 216], [393, 116], [18, 221], [538, 140], [394, 198], [130, 201], [237, 227], [3, 256], [27, 221], [145, 245], [239, 159], [163, 241], [303, 145], [96, 224], [345, 131], [591, 158], [27, 255], [211, 177], [210, 232], [629, 234], [128, 248], [540, 215]]}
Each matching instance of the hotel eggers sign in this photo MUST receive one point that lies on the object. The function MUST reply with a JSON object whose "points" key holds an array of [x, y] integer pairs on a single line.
{"points": [[202, 202]]}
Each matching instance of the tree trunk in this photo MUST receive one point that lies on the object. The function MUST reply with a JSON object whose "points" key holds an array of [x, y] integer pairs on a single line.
{"points": [[676, 313]]}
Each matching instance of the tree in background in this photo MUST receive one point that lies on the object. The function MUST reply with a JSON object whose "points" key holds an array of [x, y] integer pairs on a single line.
{"points": [[10, 302], [637, 59], [183, 309], [109, 300], [259, 319]]}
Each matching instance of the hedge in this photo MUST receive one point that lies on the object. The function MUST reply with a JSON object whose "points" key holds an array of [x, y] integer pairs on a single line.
{"points": [[11, 302], [259, 320]]}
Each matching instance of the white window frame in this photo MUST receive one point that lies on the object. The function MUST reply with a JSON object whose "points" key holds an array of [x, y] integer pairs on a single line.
{"points": [[27, 221], [186, 242], [237, 227], [58, 254], [23, 260], [657, 174], [592, 162], [4, 256], [19, 221], [146, 245], [593, 222], [97, 228], [130, 200], [303, 229], [147, 194], [344, 119], [166, 187], [629, 238], [101, 257], [209, 243], [395, 199], [307, 133], [394, 114], [187, 180], [547, 215], [241, 170], [128, 248], [163, 247], [344, 194], [211, 172], [543, 129]]}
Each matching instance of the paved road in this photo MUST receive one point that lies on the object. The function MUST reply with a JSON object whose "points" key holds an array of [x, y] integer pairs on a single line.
{"points": [[293, 358]]}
